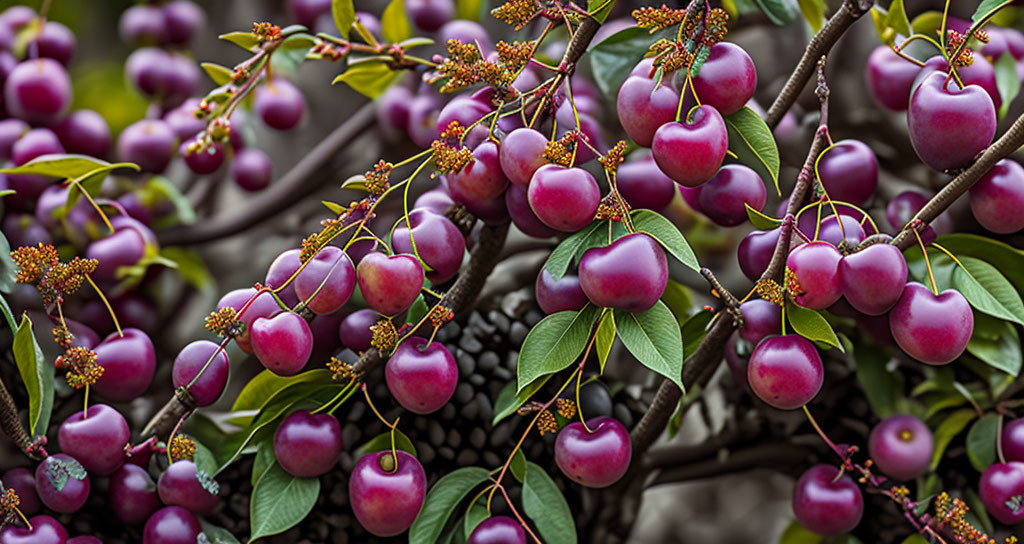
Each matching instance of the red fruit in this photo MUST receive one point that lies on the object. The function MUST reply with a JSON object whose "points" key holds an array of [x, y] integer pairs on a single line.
{"points": [[386, 499], [997, 200], [826, 503], [96, 440], [785, 371], [595, 458], [644, 107], [931, 328], [691, 153], [949, 126], [421, 377], [183, 485], [390, 284], [815, 274], [629, 274], [564, 199], [282, 343]]}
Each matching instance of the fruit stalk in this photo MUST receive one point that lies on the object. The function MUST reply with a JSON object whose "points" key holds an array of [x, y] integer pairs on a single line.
{"points": [[847, 14], [1010, 141], [282, 194]]}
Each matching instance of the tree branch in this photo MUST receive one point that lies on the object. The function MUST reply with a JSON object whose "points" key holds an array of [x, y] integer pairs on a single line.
{"points": [[283, 193], [771, 456], [820, 44], [10, 422], [1012, 140]]}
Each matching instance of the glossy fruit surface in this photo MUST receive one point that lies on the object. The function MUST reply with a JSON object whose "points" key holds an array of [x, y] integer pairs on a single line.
{"points": [[826, 503], [629, 274], [559, 295], [1013, 440], [421, 377], [643, 107], [725, 197], [643, 185], [38, 91], [281, 271], [518, 203], [171, 525], [282, 342], [522, 153], [949, 126], [387, 501], [846, 229], [85, 132], [327, 281], [691, 153], [307, 445], [45, 530], [23, 482], [755, 252], [96, 440], [815, 273], [785, 371], [728, 78], [279, 104], [498, 530], [263, 306], [931, 328], [354, 331], [595, 458], [149, 143], [195, 357], [1001, 486], [128, 365], [390, 284], [69, 498], [438, 242], [481, 179], [901, 446], [997, 200], [132, 494], [564, 199], [873, 279], [760, 320], [181, 484], [849, 171], [890, 78]]}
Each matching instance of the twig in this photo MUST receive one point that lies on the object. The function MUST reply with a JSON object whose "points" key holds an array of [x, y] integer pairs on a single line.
{"points": [[178, 408], [10, 422], [847, 14]]}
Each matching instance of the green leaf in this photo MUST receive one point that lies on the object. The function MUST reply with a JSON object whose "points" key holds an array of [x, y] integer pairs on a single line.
{"points": [[678, 299], [814, 13], [370, 79], [36, 375], [215, 534], [883, 389], [898, 20], [335, 208], [915, 539], [8, 316], [190, 266], [344, 15], [245, 40], [988, 290], [978, 509], [760, 220], [263, 461], [654, 338], [1009, 260], [996, 343], [754, 145], [981, 441], [613, 59], [160, 188], [988, 8], [599, 9], [63, 166], [469, 9], [694, 330], [298, 41], [219, 74], [605, 338], [441, 501], [780, 12], [476, 514], [263, 387], [509, 401], [892, 22], [554, 343], [8, 270], [518, 465], [204, 458], [417, 310], [950, 427], [394, 24], [796, 534], [812, 325], [559, 260], [928, 23], [545, 505], [665, 233], [382, 442], [1007, 81], [280, 501]]}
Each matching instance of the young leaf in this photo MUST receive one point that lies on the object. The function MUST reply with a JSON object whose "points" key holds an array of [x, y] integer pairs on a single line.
{"points": [[665, 233], [64, 166], [814, 13], [1007, 81], [898, 20], [545, 505], [554, 343], [370, 79], [694, 330], [927, 22], [470, 10], [263, 387], [204, 458], [441, 501], [245, 40], [953, 425], [987, 290], [509, 401], [599, 9], [780, 12], [344, 14], [605, 338], [654, 338], [811, 325], [219, 74], [754, 145], [981, 441], [394, 24], [560, 259], [298, 41], [1003, 351], [36, 375], [280, 501], [988, 8], [382, 442], [613, 59], [760, 220]]}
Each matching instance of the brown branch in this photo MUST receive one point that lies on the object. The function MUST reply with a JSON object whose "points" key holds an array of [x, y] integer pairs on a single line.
{"points": [[773, 456], [161, 424], [847, 14], [283, 193], [10, 422], [1012, 140]]}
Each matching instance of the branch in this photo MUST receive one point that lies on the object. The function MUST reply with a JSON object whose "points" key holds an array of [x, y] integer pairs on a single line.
{"points": [[820, 44], [10, 422], [161, 424], [773, 456], [1008, 143], [285, 192]]}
